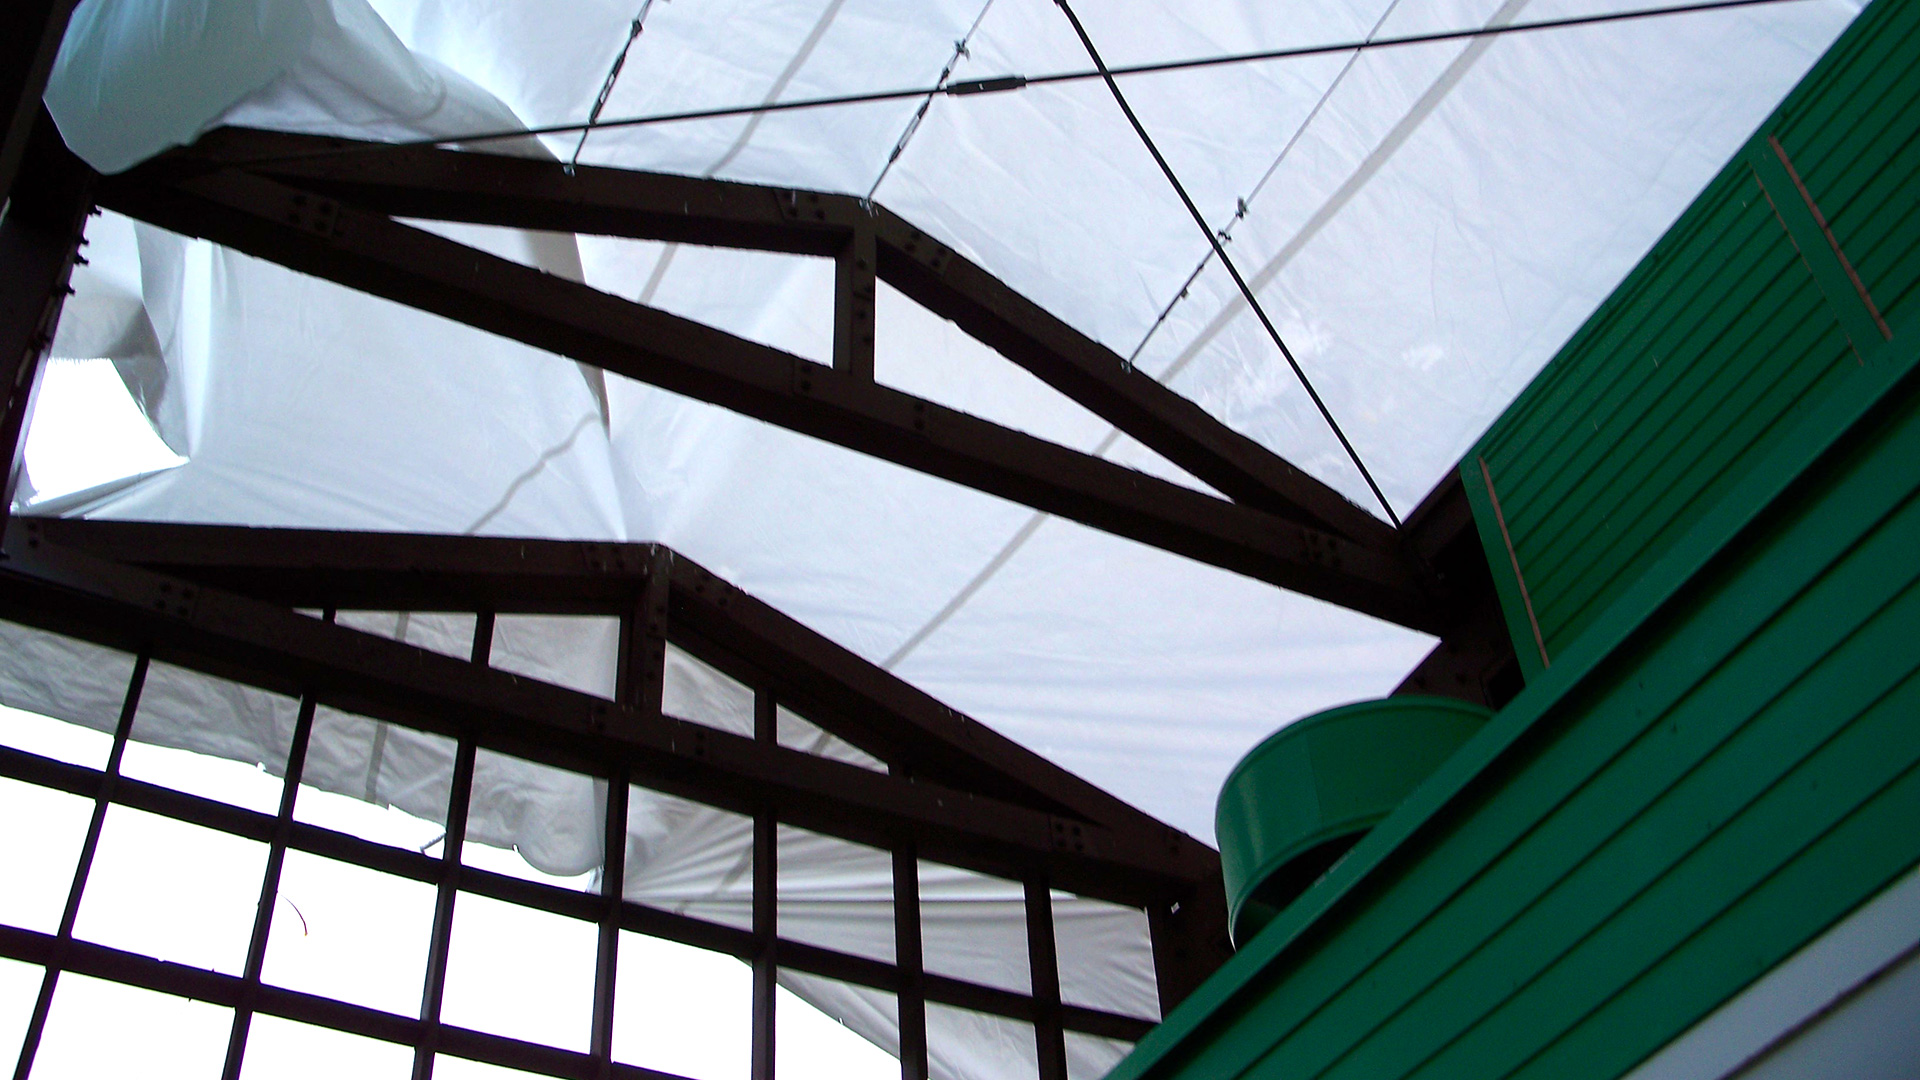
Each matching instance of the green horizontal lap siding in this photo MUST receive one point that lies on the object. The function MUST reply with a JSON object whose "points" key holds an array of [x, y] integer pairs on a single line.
{"points": [[1864, 174], [1718, 790], [1716, 344], [1727, 760]]}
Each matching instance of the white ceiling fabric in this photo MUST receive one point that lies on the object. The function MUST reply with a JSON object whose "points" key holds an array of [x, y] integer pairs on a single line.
{"points": [[1424, 224]]}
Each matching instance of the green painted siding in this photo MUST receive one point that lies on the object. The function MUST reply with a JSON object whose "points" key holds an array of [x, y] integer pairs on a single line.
{"points": [[1723, 758], [1740, 321], [1650, 826]]}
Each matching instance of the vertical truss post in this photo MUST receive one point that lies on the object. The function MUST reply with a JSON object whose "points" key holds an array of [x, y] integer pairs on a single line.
{"points": [[109, 779], [639, 629], [766, 908], [269, 891], [613, 879], [40, 239], [649, 660], [433, 993], [1043, 958], [912, 1001], [854, 290], [1190, 940], [30, 34]]}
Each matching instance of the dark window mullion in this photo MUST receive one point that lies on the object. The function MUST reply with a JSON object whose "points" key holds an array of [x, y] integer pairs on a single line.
{"points": [[449, 887], [37, 1023], [1043, 960], [435, 988], [613, 877], [269, 890], [766, 902], [912, 1001]]}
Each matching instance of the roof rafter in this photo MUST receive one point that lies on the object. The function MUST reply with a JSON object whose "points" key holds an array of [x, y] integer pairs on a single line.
{"points": [[179, 617], [874, 710], [316, 234], [451, 185]]}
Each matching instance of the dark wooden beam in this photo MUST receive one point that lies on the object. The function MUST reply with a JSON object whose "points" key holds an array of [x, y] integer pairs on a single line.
{"points": [[368, 251], [1474, 660], [451, 185], [30, 35], [121, 605], [854, 699]]}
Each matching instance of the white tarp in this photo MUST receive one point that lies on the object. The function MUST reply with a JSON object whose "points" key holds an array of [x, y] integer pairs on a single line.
{"points": [[1425, 225]]}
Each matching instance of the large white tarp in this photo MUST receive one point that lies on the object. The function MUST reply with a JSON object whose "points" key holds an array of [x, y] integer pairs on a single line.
{"points": [[1425, 224]]}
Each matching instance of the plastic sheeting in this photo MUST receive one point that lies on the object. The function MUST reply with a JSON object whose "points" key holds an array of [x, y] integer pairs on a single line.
{"points": [[1425, 224]]}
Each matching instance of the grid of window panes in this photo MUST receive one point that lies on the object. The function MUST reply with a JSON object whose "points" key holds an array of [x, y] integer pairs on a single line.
{"points": [[371, 896]]}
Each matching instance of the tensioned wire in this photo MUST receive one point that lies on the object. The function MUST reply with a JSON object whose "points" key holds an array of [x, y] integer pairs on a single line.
{"points": [[1033, 523], [1009, 83], [1374, 161], [613, 76], [1219, 249], [940, 87]]}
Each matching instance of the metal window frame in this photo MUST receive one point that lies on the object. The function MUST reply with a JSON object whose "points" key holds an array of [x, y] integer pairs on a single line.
{"points": [[182, 621]]}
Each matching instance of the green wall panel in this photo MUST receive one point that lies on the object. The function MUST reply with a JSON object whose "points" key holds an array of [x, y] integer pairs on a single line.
{"points": [[1714, 497], [1739, 322], [1645, 830]]}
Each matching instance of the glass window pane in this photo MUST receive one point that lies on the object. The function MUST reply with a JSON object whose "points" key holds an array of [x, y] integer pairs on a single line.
{"points": [[56, 739], [172, 890], [19, 989], [155, 1036], [40, 859], [1106, 956], [836, 894], [1090, 1057], [446, 632], [375, 780], [964, 1043], [580, 652], [798, 733], [67, 679], [682, 1010], [211, 737], [689, 858], [535, 822], [351, 933], [697, 691], [522, 973], [448, 1067], [974, 927], [286, 1050], [829, 1030]]}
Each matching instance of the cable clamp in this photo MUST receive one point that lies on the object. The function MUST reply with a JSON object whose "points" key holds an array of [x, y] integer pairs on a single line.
{"points": [[986, 86]]}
